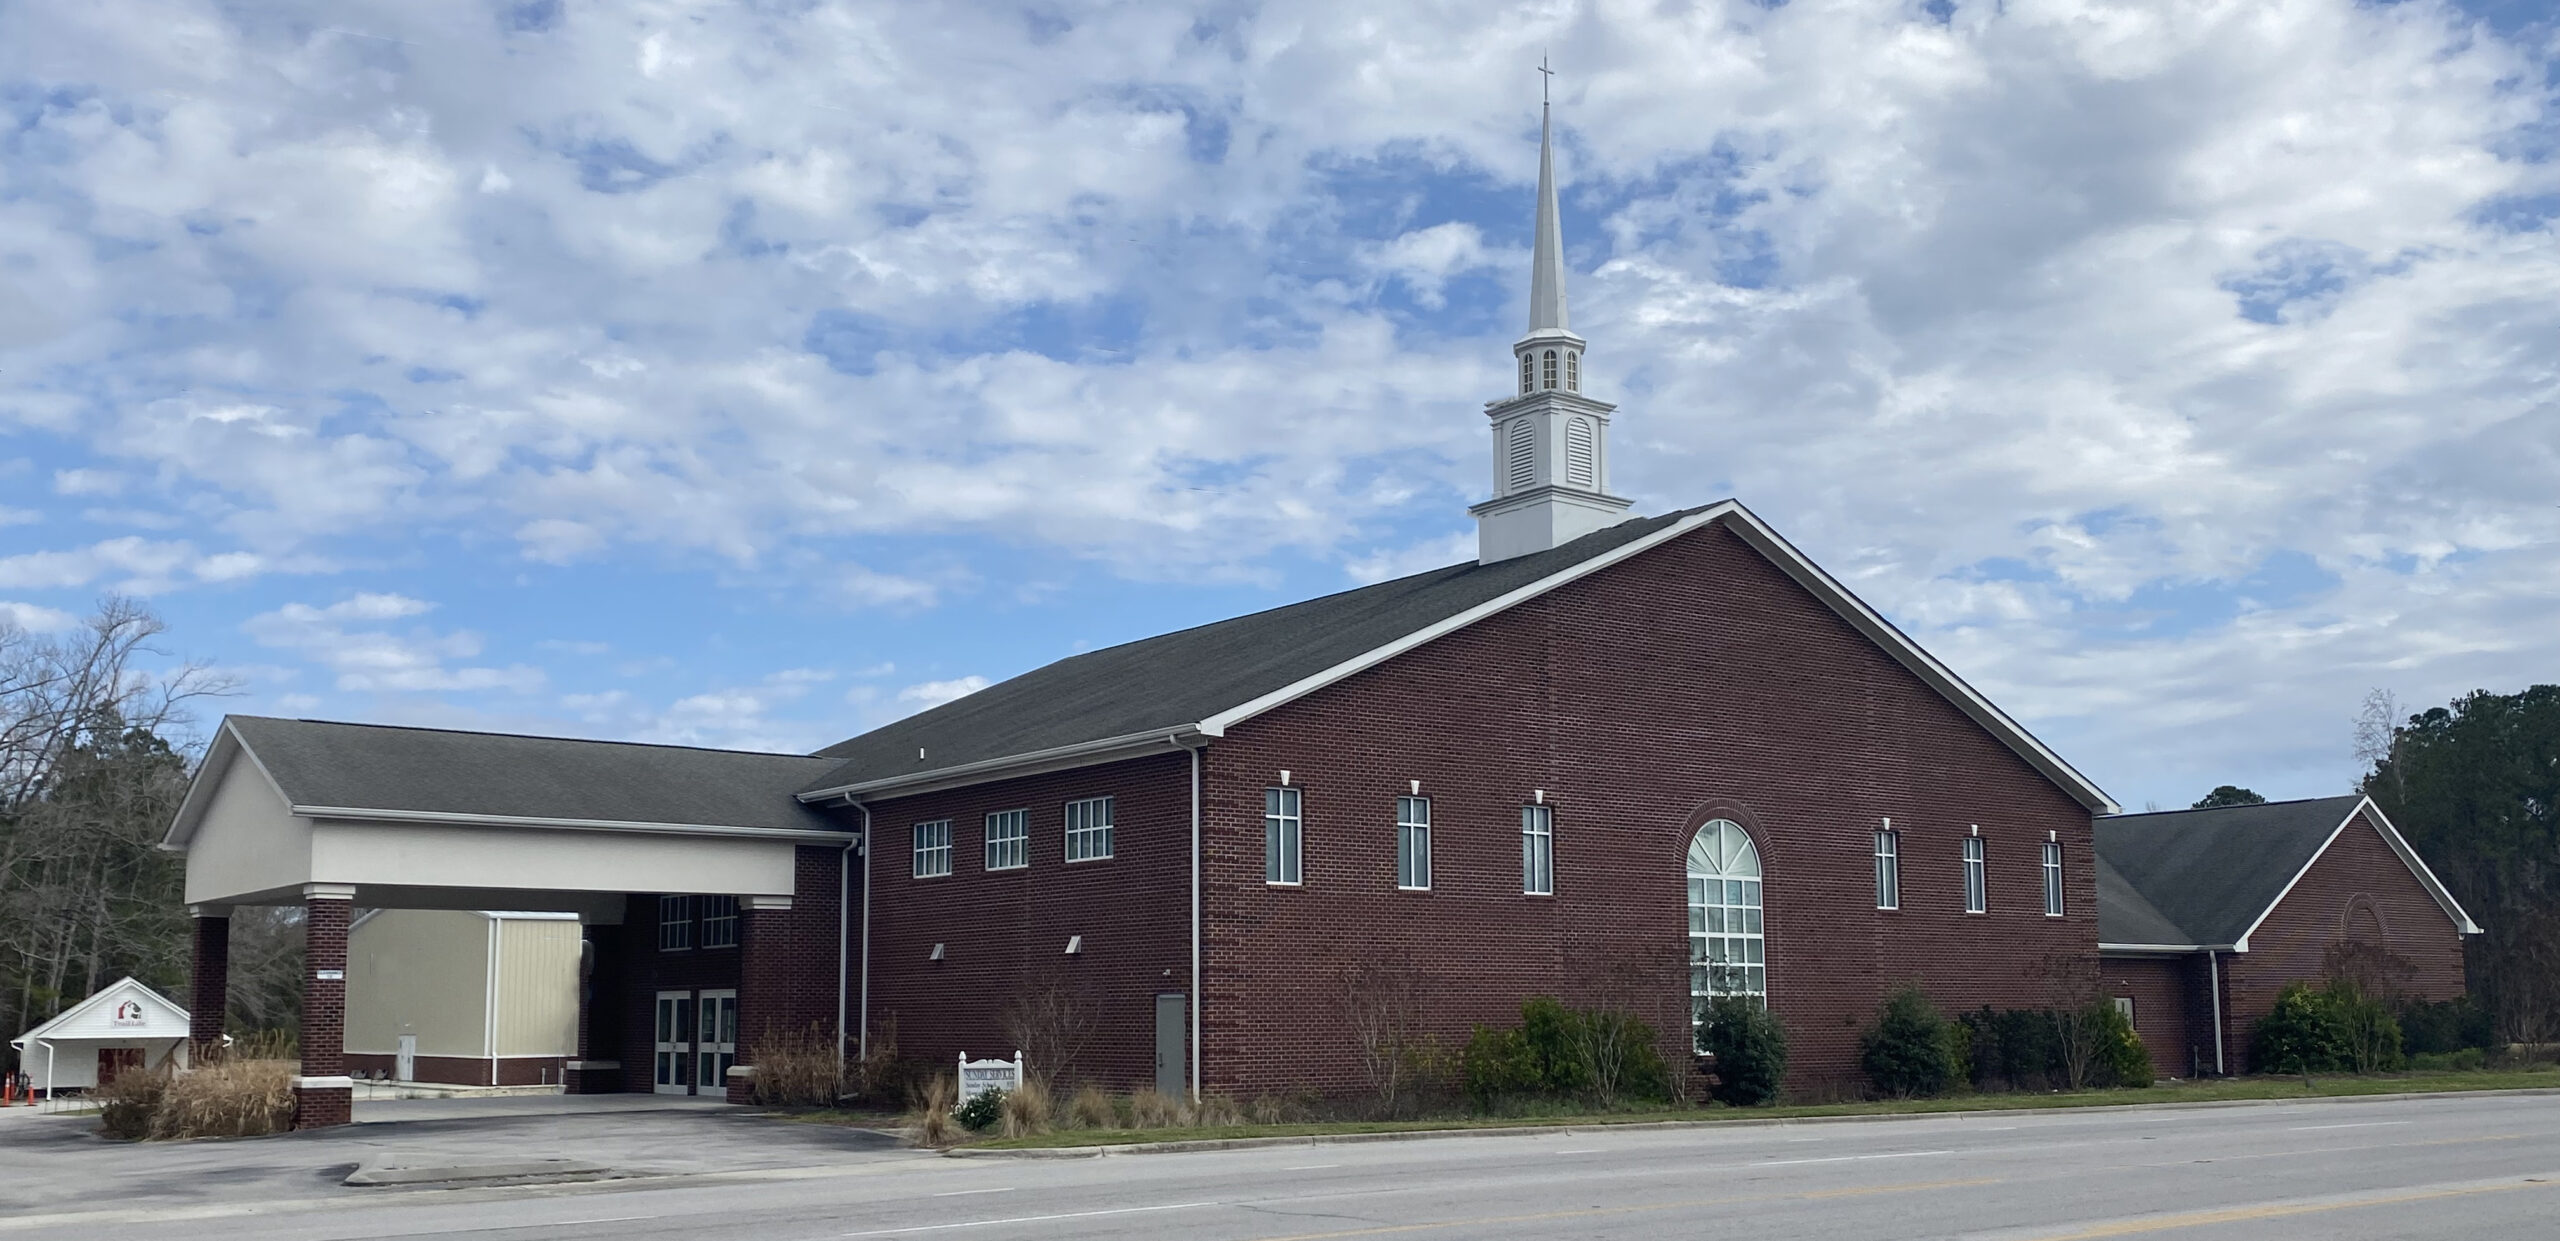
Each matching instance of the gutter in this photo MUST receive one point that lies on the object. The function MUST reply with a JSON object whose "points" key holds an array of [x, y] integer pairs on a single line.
{"points": [[442, 818], [1195, 921]]}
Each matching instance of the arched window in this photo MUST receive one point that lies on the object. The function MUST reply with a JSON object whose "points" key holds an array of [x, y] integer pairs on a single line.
{"points": [[1573, 370], [1527, 374], [1524, 454], [1725, 943], [1581, 454], [1551, 368]]}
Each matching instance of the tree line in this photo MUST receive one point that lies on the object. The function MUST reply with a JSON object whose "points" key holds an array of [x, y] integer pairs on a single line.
{"points": [[93, 764]]}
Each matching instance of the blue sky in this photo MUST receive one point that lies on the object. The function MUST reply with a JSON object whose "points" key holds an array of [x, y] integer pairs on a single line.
{"points": [[751, 375]]}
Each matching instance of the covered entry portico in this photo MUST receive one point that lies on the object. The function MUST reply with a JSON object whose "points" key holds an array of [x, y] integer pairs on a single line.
{"points": [[706, 846]]}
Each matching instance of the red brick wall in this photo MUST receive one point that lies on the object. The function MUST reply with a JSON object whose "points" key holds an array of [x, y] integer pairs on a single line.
{"points": [[324, 1002], [645, 970], [1004, 932], [2165, 992], [1693, 681], [2360, 887], [464, 1070], [788, 984], [209, 983]]}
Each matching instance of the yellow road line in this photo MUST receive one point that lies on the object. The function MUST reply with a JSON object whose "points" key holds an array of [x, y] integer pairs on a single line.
{"points": [[2276, 1210], [1595, 1212]]}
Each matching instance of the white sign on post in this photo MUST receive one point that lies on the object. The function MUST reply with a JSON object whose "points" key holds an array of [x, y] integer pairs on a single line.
{"points": [[979, 1076]]}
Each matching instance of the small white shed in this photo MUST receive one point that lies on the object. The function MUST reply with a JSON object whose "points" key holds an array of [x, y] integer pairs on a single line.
{"points": [[125, 1027]]}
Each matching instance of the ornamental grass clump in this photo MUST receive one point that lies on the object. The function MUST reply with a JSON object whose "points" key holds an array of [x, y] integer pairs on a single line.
{"points": [[1150, 1108], [1090, 1108], [231, 1098], [1026, 1112], [929, 1122], [799, 1069]]}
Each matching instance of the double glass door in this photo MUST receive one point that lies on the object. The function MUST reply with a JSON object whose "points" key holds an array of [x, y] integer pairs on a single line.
{"points": [[697, 1041]]}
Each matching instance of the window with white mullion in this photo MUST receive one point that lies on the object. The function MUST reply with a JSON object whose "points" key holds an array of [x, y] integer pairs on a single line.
{"points": [[2052, 879], [1538, 850], [675, 923], [1726, 941], [933, 849], [1089, 829], [1009, 840], [1888, 868], [1413, 843], [1977, 891], [1283, 836]]}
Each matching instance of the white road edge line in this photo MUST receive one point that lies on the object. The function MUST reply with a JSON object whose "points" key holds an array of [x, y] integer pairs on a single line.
{"points": [[1578, 1150], [1310, 1167], [958, 1193], [1025, 1219], [2361, 1124], [1778, 1163]]}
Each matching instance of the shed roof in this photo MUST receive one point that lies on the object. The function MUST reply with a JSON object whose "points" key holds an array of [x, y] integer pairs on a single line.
{"points": [[92, 1018]]}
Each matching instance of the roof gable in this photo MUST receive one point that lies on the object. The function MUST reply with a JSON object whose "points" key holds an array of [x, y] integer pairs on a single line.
{"points": [[104, 1016], [1198, 682], [2215, 874]]}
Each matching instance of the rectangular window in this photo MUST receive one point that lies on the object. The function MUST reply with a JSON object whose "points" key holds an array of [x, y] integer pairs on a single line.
{"points": [[719, 921], [1089, 829], [675, 923], [2124, 1004], [1009, 840], [2052, 879], [1888, 869], [1977, 889], [1538, 850], [1283, 836], [933, 849], [1413, 843]]}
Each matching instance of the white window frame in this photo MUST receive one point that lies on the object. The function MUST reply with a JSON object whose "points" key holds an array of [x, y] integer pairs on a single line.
{"points": [[1011, 851], [1727, 943], [675, 933], [1888, 867], [1413, 844], [2053, 879], [717, 921], [2124, 1004], [1284, 837], [932, 849], [1538, 850], [1089, 829], [1977, 880]]}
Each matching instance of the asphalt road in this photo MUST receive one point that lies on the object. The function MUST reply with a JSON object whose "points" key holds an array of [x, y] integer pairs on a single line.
{"points": [[2477, 1168]]}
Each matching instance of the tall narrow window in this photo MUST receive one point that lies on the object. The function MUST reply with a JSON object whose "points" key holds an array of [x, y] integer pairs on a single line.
{"points": [[675, 923], [1888, 869], [1538, 850], [1413, 843], [1550, 372], [1573, 370], [1725, 939], [1008, 840], [1528, 374], [1581, 454], [1283, 836], [933, 849], [1524, 454], [719, 921], [1089, 829], [1977, 890], [2052, 879]]}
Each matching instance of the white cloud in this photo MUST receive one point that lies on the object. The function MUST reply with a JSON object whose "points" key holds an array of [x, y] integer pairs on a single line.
{"points": [[926, 694], [378, 661], [35, 619]]}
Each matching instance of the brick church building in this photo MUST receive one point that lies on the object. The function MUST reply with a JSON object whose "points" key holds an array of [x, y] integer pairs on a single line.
{"points": [[1632, 759]]}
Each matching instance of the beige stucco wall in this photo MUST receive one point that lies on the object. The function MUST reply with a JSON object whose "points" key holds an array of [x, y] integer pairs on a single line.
{"points": [[537, 987], [422, 972], [249, 841]]}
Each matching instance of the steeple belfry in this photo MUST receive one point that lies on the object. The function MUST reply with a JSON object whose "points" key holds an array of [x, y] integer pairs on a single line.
{"points": [[1550, 442]]}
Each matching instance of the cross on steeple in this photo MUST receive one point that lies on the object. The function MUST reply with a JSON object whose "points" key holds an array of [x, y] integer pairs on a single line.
{"points": [[1544, 81]]}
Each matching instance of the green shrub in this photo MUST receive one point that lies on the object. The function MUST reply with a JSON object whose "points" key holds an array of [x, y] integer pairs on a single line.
{"points": [[2334, 1029], [2012, 1048], [2445, 1026], [2465, 1060], [1560, 1053], [1905, 1052], [1750, 1047], [983, 1109], [2118, 1058]]}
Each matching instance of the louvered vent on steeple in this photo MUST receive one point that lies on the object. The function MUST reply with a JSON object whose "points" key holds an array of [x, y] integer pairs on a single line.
{"points": [[1524, 456], [1581, 454]]}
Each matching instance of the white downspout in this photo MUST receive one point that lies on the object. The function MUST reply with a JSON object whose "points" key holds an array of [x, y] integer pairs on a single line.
{"points": [[865, 1012], [844, 940], [489, 1019], [1195, 922], [48, 1073], [2213, 964]]}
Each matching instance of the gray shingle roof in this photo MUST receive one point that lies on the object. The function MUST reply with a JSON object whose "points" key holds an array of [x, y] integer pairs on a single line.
{"points": [[1177, 679], [2205, 875], [440, 771]]}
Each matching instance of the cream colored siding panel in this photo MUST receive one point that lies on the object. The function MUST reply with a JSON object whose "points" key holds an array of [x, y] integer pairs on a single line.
{"points": [[422, 972], [537, 987]]}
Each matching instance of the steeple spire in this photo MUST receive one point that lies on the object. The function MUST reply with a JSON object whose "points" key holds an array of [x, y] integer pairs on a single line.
{"points": [[1546, 265], [1550, 442]]}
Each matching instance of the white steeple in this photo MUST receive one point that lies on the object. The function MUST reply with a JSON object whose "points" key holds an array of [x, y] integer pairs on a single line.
{"points": [[1550, 442]]}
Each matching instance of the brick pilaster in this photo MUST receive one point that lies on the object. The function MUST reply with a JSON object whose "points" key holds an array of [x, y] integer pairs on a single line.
{"points": [[764, 1008], [209, 984], [321, 1095]]}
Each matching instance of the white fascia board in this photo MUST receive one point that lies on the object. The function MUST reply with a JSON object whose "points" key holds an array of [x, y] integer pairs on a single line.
{"points": [[1060, 758], [367, 814], [1217, 725], [1922, 664], [2418, 866]]}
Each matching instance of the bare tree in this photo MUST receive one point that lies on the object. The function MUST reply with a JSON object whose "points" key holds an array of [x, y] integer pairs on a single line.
{"points": [[2071, 992], [1052, 1024], [1383, 1008], [2378, 733]]}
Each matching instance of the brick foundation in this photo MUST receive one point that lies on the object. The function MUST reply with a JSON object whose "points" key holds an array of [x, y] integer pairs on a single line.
{"points": [[319, 1107]]}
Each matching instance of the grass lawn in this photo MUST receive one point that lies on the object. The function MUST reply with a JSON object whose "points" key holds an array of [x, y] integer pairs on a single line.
{"points": [[2547, 1076]]}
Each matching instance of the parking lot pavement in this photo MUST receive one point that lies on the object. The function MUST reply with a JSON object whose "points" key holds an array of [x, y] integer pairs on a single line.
{"points": [[53, 1164]]}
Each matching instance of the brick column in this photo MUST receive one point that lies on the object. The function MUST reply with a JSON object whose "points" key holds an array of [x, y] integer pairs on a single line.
{"points": [[323, 1094], [595, 1066], [763, 969], [209, 984]]}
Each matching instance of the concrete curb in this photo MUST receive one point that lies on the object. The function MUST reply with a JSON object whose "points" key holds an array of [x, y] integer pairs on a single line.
{"points": [[524, 1172], [1738, 1122]]}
